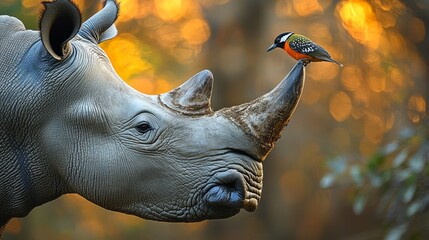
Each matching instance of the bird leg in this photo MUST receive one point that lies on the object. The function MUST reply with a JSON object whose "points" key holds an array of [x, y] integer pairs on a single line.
{"points": [[306, 61]]}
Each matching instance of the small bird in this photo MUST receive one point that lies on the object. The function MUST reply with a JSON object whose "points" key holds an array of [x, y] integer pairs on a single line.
{"points": [[301, 47]]}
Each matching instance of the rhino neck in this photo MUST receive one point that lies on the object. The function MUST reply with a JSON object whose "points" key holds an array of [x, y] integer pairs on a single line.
{"points": [[26, 180]]}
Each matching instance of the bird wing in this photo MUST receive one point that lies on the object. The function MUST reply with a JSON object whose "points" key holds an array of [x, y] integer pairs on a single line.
{"points": [[305, 46]]}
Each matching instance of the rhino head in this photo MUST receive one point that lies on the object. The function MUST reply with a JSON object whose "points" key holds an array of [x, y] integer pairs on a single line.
{"points": [[70, 124]]}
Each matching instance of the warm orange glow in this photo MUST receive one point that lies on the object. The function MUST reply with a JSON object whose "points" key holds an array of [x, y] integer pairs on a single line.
{"points": [[416, 108], [340, 106], [143, 84], [377, 82], [185, 54], [397, 79], [209, 3], [359, 20], [131, 9], [163, 86], [374, 128], [170, 10], [284, 8], [348, 111], [306, 8], [124, 52], [29, 3], [310, 95], [361, 97], [396, 44], [372, 58], [14, 226], [326, 73], [320, 33], [351, 77], [417, 30], [196, 31]]}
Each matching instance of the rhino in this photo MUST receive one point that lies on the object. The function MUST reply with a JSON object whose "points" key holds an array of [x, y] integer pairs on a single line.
{"points": [[70, 124]]}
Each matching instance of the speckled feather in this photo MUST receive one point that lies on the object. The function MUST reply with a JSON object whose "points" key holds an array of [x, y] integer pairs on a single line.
{"points": [[304, 45]]}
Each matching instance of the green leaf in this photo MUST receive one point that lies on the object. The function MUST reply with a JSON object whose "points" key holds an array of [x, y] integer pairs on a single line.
{"points": [[359, 204], [375, 162], [327, 180]]}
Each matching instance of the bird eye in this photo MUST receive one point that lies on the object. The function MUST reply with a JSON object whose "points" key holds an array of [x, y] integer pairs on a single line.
{"points": [[143, 127]]}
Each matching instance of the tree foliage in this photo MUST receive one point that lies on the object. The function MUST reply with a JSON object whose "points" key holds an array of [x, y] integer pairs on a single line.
{"points": [[397, 175]]}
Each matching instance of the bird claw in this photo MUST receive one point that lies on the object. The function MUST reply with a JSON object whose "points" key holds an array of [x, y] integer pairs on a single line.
{"points": [[305, 61]]}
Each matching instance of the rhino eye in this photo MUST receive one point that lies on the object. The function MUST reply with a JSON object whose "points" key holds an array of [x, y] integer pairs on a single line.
{"points": [[143, 127]]}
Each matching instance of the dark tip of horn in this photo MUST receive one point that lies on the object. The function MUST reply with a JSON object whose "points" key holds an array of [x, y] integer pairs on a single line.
{"points": [[265, 117]]}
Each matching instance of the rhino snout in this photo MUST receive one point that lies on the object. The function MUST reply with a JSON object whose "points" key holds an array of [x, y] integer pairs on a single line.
{"points": [[231, 191]]}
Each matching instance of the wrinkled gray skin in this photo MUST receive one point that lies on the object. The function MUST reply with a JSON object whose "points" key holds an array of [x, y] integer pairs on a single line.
{"points": [[69, 124]]}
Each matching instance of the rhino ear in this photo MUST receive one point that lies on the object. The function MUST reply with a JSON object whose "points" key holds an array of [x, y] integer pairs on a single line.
{"points": [[101, 27], [60, 21]]}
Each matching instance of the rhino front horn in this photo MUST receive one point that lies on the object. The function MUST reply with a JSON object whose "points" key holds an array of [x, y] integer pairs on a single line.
{"points": [[192, 97], [264, 118]]}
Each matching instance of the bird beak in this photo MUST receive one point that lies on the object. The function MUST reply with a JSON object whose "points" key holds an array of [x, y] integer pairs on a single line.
{"points": [[271, 47]]}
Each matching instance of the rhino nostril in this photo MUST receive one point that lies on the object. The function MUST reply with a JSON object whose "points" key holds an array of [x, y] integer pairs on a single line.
{"points": [[229, 191]]}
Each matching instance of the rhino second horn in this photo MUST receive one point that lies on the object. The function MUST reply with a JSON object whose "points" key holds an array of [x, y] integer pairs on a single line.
{"points": [[264, 118], [193, 97]]}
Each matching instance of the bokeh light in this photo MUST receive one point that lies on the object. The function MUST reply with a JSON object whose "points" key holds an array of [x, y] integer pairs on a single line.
{"points": [[353, 109], [340, 106], [359, 19]]}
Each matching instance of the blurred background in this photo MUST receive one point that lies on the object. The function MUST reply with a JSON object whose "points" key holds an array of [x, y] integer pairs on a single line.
{"points": [[328, 174]]}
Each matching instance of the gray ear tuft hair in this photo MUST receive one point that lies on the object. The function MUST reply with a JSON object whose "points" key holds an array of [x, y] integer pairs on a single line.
{"points": [[100, 27]]}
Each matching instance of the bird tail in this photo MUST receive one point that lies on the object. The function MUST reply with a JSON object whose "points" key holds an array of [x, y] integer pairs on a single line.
{"points": [[339, 64]]}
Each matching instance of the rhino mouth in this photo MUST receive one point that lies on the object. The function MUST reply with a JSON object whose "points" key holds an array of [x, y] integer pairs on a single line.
{"points": [[232, 191]]}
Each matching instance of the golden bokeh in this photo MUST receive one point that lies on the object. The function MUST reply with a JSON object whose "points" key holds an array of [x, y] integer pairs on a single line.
{"points": [[352, 77], [360, 21], [309, 7], [396, 79], [374, 128], [320, 33], [417, 30], [171, 10], [124, 52], [377, 81], [326, 73], [131, 9], [416, 108], [196, 31], [310, 96], [340, 106], [353, 109], [30, 3]]}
